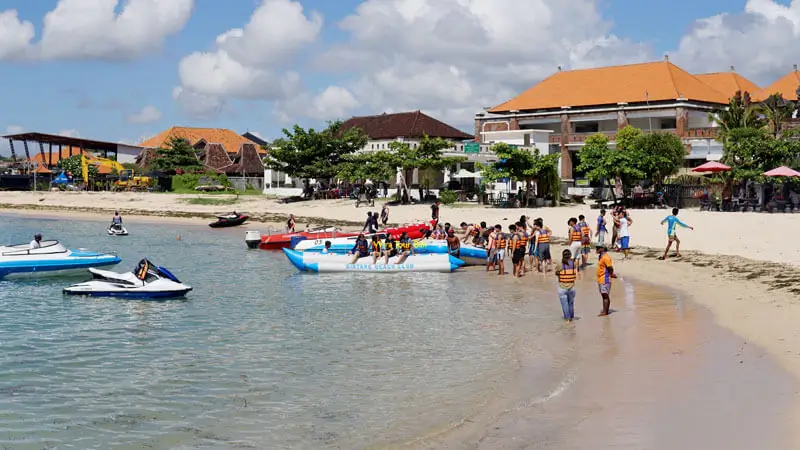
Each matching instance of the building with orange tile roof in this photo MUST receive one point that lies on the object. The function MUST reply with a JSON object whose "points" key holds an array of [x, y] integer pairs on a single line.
{"points": [[575, 104], [786, 86], [200, 137], [728, 83]]}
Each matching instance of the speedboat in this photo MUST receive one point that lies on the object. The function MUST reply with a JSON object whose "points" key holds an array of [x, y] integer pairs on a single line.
{"points": [[147, 281], [470, 254], [51, 257], [328, 262], [229, 220], [116, 230]]}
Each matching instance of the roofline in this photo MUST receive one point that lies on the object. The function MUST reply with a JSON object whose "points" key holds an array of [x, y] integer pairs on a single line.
{"points": [[76, 142], [571, 111], [525, 131]]}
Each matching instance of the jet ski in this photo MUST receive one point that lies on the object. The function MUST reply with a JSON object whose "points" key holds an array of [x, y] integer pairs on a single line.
{"points": [[147, 281], [116, 230], [229, 220]]}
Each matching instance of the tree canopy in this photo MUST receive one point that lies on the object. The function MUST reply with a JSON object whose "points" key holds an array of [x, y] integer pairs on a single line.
{"points": [[178, 154], [73, 166], [524, 164], [752, 151], [427, 156], [376, 166], [741, 112], [315, 154]]}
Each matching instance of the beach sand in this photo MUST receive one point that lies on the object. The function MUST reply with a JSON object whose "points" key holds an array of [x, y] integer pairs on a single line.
{"points": [[743, 267]]}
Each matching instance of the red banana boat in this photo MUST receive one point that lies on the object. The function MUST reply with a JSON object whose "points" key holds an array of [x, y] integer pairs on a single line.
{"points": [[284, 240]]}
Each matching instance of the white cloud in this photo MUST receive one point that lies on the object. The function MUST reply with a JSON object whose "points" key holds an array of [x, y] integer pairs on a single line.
{"points": [[335, 102], [14, 129], [91, 29], [69, 133], [196, 105], [452, 57], [148, 114], [757, 41], [248, 62]]}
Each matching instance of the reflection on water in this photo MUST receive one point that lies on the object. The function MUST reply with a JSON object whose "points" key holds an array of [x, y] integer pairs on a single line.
{"points": [[260, 355]]}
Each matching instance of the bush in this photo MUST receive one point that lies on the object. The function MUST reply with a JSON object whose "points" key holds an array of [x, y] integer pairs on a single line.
{"points": [[448, 197], [189, 181]]}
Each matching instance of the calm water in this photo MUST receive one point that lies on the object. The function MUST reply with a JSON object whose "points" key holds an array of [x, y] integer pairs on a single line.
{"points": [[257, 355], [261, 356]]}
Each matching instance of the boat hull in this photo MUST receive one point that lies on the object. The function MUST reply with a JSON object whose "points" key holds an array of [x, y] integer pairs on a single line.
{"points": [[327, 263], [225, 223], [470, 254], [71, 262], [280, 241], [128, 294]]}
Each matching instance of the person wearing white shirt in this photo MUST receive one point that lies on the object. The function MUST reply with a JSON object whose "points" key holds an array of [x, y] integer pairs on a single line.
{"points": [[37, 241], [624, 235]]}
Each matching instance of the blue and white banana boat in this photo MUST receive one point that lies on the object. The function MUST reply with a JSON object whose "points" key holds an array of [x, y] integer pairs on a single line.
{"points": [[51, 258], [470, 254], [330, 262]]}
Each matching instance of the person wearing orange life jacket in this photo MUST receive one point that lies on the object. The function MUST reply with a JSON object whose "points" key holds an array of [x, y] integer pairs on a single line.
{"points": [[500, 244], [586, 242], [519, 250], [543, 245], [360, 249], [575, 238], [513, 243], [567, 274], [472, 232]]}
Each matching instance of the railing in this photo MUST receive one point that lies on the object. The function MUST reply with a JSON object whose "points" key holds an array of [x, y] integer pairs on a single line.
{"points": [[693, 133]]}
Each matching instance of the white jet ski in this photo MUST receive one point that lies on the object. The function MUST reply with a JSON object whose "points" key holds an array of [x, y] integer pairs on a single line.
{"points": [[116, 230], [147, 282]]}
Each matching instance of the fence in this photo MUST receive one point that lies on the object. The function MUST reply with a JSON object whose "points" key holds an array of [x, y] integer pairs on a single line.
{"points": [[243, 183]]}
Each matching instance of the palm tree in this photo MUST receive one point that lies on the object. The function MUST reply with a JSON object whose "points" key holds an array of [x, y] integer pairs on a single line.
{"points": [[776, 111], [740, 113]]}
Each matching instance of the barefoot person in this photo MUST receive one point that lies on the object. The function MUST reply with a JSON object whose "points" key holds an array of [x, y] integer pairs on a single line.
{"points": [[543, 245], [575, 239], [601, 227], [586, 242], [406, 247], [453, 243], [377, 249], [389, 248], [567, 275], [605, 273], [360, 249], [672, 232], [625, 221], [500, 244]]}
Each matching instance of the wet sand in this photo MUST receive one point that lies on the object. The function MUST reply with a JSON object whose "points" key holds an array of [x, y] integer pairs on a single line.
{"points": [[657, 374]]}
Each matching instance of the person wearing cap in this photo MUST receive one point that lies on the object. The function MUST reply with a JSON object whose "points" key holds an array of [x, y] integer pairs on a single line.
{"points": [[605, 273], [37, 241]]}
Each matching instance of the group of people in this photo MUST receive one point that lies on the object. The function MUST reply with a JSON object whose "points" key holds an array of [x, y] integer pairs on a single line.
{"points": [[377, 248]]}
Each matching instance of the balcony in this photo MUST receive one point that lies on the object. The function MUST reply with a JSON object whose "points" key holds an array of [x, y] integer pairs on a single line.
{"points": [[580, 138]]}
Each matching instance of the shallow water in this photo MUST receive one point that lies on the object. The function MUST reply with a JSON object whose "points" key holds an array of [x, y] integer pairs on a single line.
{"points": [[261, 356]]}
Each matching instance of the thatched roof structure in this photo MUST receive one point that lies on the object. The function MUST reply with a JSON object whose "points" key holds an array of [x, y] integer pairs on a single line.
{"points": [[215, 157], [247, 162]]}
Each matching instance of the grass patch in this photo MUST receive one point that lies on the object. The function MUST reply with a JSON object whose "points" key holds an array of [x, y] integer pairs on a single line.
{"points": [[192, 191], [211, 201]]}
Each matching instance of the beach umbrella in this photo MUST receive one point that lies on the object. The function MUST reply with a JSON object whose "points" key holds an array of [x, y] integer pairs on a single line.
{"points": [[463, 173], [711, 166], [782, 171]]}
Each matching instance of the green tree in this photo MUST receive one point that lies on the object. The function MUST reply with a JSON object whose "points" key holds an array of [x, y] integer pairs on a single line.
{"points": [[627, 138], [658, 155], [601, 163], [177, 155], [776, 111], [751, 152], [72, 165], [524, 165], [740, 113], [375, 166], [314, 154], [427, 156]]}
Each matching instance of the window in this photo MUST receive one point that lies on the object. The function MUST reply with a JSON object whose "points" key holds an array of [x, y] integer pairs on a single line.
{"points": [[587, 127], [669, 123]]}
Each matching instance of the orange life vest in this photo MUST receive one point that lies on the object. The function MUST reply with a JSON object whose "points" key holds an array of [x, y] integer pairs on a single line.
{"points": [[568, 273], [500, 240], [544, 237], [575, 234]]}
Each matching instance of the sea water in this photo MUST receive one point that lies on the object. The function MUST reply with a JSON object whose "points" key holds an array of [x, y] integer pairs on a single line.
{"points": [[261, 356]]}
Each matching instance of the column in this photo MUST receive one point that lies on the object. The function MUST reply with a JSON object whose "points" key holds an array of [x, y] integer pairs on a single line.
{"points": [[566, 159], [478, 125], [622, 119], [682, 121]]}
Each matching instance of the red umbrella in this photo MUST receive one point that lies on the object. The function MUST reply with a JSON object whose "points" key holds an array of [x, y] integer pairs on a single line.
{"points": [[712, 166], [782, 171]]}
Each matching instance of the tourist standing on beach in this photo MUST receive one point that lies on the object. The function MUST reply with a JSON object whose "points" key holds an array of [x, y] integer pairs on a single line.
{"points": [[586, 240], [575, 238], [672, 233], [371, 225], [490, 250], [543, 245], [435, 213], [567, 275], [601, 227], [290, 224], [605, 273], [624, 234], [385, 215], [513, 242], [533, 248]]}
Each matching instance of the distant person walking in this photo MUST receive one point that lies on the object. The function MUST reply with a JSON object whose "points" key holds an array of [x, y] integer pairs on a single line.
{"points": [[672, 233], [385, 215]]}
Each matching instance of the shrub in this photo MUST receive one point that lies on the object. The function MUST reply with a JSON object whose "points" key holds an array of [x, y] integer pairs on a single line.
{"points": [[189, 181], [448, 197]]}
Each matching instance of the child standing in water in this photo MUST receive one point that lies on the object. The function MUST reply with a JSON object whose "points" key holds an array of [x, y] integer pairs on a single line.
{"points": [[567, 274]]}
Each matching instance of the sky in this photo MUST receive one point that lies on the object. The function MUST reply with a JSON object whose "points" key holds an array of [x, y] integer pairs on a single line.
{"points": [[127, 70]]}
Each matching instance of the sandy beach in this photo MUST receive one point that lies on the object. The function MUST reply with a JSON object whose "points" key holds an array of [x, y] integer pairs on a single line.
{"points": [[743, 267]]}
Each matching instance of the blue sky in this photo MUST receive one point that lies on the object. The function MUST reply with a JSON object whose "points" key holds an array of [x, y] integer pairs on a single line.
{"points": [[315, 68]]}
